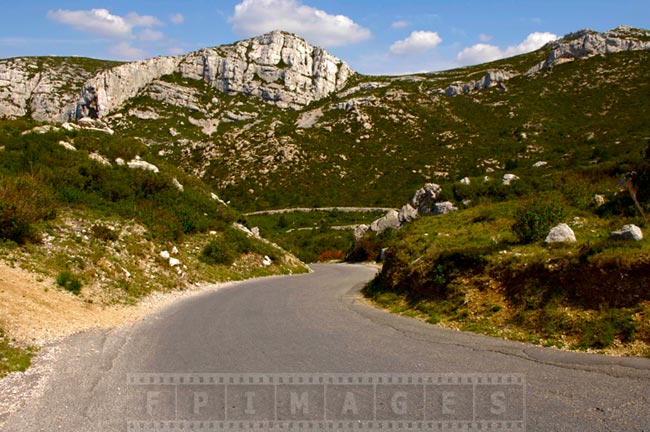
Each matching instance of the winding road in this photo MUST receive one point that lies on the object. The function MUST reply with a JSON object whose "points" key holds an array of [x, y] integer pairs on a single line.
{"points": [[317, 325]]}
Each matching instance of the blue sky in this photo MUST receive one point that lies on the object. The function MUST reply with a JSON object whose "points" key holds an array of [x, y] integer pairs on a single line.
{"points": [[373, 36]]}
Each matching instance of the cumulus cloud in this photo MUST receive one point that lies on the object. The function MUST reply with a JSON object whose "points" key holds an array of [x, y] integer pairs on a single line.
{"points": [[484, 37], [96, 21], [149, 35], [177, 18], [254, 17], [101, 22], [482, 53], [126, 51], [418, 42], [400, 24], [136, 20]]}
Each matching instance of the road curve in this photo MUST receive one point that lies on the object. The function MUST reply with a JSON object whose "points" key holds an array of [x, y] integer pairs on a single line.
{"points": [[316, 323]]}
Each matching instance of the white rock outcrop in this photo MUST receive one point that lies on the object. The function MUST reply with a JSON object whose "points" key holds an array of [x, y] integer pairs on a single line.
{"points": [[140, 164], [508, 179], [628, 232], [422, 203], [490, 79], [107, 91], [588, 43], [561, 233], [278, 67]]}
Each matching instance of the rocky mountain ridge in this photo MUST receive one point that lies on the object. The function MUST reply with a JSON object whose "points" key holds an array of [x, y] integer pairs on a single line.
{"points": [[278, 67]]}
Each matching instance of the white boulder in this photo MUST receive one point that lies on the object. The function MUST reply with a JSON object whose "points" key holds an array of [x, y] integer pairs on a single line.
{"points": [[628, 232], [561, 233]]}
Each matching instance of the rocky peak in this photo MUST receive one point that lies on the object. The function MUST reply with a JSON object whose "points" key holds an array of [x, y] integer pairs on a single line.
{"points": [[278, 67], [588, 43]]}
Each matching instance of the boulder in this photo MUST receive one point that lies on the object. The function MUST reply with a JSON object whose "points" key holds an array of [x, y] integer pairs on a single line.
{"points": [[424, 198], [407, 214], [140, 164], [599, 200], [443, 208], [561, 233], [164, 255], [177, 184], [99, 158], [388, 221], [628, 232], [67, 146], [465, 181], [509, 178]]}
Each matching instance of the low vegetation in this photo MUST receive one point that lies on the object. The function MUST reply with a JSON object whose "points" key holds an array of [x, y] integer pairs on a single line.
{"points": [[486, 269], [13, 357], [313, 236]]}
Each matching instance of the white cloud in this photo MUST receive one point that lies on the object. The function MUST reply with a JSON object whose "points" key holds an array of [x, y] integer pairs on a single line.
{"points": [[177, 18], [531, 43], [418, 42], [400, 24], [96, 21], [101, 22], [125, 51], [479, 53], [255, 17], [149, 35], [482, 53], [136, 20], [484, 37]]}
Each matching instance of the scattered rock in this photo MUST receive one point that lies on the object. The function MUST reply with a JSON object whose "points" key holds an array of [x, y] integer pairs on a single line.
{"points": [[144, 115], [174, 250], [174, 262], [177, 184], [444, 207], [67, 146], [173, 132], [120, 162], [388, 221], [491, 79], [267, 261], [165, 255], [41, 129], [540, 164], [140, 164], [99, 158], [561, 233], [465, 181], [509, 178], [599, 200], [628, 232]]}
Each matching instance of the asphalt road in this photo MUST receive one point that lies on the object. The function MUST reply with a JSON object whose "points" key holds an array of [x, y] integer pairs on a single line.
{"points": [[316, 323]]}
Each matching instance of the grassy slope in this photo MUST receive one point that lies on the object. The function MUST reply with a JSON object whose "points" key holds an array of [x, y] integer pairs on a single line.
{"points": [[98, 230], [587, 110]]}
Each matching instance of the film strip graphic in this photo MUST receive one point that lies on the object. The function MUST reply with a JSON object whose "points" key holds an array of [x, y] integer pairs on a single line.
{"points": [[286, 402]]}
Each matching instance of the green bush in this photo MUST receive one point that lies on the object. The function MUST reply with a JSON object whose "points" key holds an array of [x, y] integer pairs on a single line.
{"points": [[24, 201], [218, 252], [533, 223], [69, 282], [102, 232]]}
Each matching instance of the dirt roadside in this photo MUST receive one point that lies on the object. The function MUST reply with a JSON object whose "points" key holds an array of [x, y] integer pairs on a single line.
{"points": [[36, 312]]}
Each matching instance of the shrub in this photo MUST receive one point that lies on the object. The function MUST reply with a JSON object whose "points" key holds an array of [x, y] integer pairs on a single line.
{"points": [[69, 282], [102, 232], [24, 201], [218, 252], [533, 223], [366, 248]]}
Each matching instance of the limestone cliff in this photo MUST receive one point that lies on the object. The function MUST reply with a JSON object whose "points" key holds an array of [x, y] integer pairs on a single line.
{"points": [[278, 67]]}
